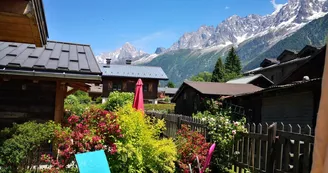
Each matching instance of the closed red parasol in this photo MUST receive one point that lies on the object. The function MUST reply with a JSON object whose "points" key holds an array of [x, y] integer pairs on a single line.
{"points": [[138, 97]]}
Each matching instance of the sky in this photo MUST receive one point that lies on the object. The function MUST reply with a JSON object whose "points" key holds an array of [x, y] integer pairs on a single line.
{"points": [[147, 24]]}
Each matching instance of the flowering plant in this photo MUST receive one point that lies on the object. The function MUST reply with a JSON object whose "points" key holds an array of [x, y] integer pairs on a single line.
{"points": [[94, 130], [190, 144]]}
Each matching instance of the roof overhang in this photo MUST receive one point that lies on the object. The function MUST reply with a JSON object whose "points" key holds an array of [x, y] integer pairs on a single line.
{"points": [[51, 75], [23, 21]]}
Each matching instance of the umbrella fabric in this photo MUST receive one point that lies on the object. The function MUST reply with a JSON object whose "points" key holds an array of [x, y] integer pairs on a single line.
{"points": [[320, 152], [91, 162], [138, 96]]}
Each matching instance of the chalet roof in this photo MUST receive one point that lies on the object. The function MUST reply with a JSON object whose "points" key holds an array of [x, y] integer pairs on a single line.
{"points": [[248, 79], [56, 59], [168, 90], [219, 89], [286, 52], [133, 71], [279, 87], [269, 61]]}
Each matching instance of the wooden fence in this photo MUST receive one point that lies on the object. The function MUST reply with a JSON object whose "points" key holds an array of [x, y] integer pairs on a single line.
{"points": [[275, 148]]}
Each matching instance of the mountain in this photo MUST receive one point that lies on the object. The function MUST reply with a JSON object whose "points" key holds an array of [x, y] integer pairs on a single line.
{"points": [[253, 36]]}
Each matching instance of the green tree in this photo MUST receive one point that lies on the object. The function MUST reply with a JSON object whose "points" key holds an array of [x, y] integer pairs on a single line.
{"points": [[202, 77], [170, 84], [232, 63], [218, 72]]}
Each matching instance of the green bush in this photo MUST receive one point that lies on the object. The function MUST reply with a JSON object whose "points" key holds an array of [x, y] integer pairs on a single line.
{"points": [[72, 105], [117, 100], [141, 150], [98, 100], [160, 107], [83, 97], [21, 145]]}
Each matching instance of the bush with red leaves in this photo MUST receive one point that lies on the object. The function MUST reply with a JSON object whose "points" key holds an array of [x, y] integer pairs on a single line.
{"points": [[189, 145]]}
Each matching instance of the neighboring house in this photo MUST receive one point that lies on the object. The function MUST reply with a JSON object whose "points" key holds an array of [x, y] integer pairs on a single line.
{"points": [[166, 92], [23, 21], [34, 80], [123, 78], [288, 61], [294, 101], [257, 80], [95, 91], [188, 97]]}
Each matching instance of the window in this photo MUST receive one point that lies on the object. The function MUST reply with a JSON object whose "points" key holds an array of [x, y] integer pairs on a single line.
{"points": [[185, 96], [117, 86], [145, 88]]}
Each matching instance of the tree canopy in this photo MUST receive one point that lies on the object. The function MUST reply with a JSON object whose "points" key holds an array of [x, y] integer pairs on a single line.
{"points": [[202, 77], [218, 72], [170, 85], [232, 62]]}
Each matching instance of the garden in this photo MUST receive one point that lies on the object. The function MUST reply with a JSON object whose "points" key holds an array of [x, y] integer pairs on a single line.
{"points": [[131, 140]]}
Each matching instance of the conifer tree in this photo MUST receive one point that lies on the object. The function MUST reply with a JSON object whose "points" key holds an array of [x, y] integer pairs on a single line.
{"points": [[218, 72]]}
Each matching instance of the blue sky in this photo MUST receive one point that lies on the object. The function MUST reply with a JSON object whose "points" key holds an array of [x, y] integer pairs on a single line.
{"points": [[107, 24]]}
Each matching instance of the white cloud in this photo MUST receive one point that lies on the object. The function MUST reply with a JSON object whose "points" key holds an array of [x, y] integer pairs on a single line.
{"points": [[276, 6], [226, 7]]}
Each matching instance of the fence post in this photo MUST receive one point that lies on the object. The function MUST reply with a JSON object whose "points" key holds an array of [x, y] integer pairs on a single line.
{"points": [[271, 153], [179, 122]]}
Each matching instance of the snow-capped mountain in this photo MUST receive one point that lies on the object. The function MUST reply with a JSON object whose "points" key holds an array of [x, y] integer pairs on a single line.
{"points": [[284, 20]]}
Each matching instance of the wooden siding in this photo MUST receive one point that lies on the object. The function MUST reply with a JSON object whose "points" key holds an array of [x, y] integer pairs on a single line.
{"points": [[128, 85], [36, 102], [295, 108]]}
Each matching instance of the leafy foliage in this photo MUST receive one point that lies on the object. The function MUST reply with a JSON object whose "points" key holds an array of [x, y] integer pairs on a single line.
{"points": [[82, 97], [219, 72], [20, 145], [202, 77], [190, 144], [98, 100], [222, 130], [117, 100], [141, 150], [94, 130], [72, 105], [170, 85]]}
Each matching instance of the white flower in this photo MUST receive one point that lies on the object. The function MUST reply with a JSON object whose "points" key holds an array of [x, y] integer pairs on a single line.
{"points": [[203, 119]]}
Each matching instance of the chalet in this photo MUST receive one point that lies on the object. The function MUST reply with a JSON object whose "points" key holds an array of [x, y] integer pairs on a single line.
{"points": [[294, 101], [166, 92], [257, 80], [123, 78], [288, 61], [23, 21], [188, 97], [34, 80], [95, 91]]}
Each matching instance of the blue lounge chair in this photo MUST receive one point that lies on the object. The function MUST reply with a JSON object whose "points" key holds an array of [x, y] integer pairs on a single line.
{"points": [[92, 162]]}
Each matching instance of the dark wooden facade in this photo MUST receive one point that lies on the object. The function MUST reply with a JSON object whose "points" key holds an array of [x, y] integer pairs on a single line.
{"points": [[294, 105], [24, 100], [124, 84]]}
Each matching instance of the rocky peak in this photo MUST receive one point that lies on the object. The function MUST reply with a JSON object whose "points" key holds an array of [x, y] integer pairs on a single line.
{"points": [[160, 50]]}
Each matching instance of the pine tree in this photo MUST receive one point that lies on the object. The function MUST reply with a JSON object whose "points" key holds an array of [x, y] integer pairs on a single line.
{"points": [[232, 64], [170, 84], [218, 72]]}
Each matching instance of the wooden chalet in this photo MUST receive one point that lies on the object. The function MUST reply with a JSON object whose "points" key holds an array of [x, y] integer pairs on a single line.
{"points": [[294, 101], [23, 21], [123, 78], [34, 80], [288, 61], [167, 92], [189, 97]]}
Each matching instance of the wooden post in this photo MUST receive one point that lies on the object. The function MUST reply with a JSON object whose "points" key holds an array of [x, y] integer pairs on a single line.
{"points": [[59, 105], [270, 155]]}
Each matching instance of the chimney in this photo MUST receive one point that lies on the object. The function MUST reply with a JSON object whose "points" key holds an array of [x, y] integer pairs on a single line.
{"points": [[128, 62], [108, 61]]}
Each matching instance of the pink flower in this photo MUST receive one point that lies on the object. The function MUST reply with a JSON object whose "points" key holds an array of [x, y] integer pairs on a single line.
{"points": [[235, 123], [233, 132]]}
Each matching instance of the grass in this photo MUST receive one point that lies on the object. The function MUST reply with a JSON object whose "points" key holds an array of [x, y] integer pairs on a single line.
{"points": [[160, 107]]}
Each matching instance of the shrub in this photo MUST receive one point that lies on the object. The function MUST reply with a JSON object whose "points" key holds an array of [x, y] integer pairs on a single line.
{"points": [[83, 97], [94, 130], [169, 108], [21, 145], [189, 145], [141, 150], [222, 131], [98, 100], [117, 100], [72, 106]]}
